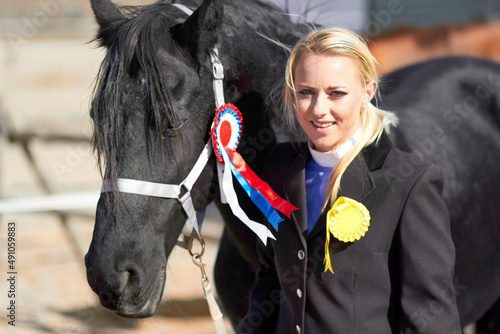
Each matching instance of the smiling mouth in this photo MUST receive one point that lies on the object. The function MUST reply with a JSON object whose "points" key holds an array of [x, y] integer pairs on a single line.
{"points": [[323, 125]]}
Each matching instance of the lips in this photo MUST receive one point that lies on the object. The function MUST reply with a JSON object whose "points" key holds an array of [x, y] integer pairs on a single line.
{"points": [[323, 124]]}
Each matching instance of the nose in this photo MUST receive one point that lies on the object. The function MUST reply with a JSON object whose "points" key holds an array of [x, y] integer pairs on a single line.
{"points": [[130, 277], [111, 283], [320, 106]]}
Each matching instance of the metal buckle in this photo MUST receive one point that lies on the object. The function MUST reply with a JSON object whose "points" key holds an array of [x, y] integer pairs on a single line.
{"points": [[217, 70], [197, 258]]}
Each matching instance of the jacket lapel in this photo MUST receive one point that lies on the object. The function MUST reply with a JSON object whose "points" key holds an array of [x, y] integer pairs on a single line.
{"points": [[294, 187], [357, 181]]}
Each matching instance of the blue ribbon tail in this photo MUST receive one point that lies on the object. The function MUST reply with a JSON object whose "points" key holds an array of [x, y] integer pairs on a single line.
{"points": [[259, 200]]}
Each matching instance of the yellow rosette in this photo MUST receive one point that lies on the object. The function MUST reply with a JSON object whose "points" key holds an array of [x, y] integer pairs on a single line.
{"points": [[348, 220]]}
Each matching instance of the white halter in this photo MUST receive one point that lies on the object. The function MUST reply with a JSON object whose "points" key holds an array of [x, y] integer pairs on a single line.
{"points": [[192, 226], [194, 218]]}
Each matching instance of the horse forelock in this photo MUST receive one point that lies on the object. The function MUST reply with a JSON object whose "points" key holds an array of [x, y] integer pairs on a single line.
{"points": [[132, 62]]}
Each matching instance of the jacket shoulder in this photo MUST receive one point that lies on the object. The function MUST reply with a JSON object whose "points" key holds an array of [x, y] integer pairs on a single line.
{"points": [[409, 167]]}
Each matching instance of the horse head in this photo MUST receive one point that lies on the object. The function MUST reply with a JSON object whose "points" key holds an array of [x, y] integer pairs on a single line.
{"points": [[152, 111], [154, 53]]}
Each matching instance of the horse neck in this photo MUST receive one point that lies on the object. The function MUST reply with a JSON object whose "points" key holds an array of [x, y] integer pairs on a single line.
{"points": [[254, 33], [254, 64]]}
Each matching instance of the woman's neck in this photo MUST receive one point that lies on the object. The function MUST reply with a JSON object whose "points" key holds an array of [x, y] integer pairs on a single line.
{"points": [[332, 158]]}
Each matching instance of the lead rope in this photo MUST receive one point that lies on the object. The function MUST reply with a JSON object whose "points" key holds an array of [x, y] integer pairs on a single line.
{"points": [[215, 312]]}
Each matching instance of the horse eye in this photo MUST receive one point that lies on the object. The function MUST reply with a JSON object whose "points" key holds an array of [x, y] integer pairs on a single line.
{"points": [[171, 129], [142, 77]]}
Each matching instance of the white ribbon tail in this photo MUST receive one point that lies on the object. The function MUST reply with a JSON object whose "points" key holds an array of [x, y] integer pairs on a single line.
{"points": [[227, 185], [220, 172]]}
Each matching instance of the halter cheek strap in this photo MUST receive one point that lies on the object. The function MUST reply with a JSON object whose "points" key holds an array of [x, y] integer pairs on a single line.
{"points": [[217, 68], [218, 77]]}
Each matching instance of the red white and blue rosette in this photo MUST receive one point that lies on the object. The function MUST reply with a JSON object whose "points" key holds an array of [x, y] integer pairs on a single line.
{"points": [[227, 128], [226, 133]]}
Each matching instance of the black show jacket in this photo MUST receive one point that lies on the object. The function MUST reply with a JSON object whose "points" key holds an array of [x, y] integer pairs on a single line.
{"points": [[398, 278]]}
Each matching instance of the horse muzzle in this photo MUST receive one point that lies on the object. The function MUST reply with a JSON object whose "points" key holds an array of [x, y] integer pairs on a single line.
{"points": [[128, 293]]}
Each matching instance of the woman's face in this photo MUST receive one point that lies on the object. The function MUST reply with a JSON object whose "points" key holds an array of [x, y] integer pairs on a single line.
{"points": [[328, 98]]}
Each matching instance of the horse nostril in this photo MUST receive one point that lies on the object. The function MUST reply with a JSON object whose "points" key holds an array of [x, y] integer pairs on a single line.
{"points": [[131, 276]]}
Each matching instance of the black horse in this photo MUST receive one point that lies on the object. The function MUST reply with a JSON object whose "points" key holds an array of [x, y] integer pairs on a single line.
{"points": [[153, 107]]}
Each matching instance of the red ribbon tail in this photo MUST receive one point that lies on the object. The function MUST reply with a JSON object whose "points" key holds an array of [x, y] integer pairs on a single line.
{"points": [[255, 182]]}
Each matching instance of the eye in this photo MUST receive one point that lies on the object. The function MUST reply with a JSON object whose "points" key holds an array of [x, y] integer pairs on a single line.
{"points": [[338, 93], [305, 92], [141, 76], [170, 130]]}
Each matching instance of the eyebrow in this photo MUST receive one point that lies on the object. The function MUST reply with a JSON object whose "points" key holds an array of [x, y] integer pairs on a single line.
{"points": [[305, 85]]}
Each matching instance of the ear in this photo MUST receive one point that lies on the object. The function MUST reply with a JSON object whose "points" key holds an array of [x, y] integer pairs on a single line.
{"points": [[108, 16], [200, 31], [371, 88]]}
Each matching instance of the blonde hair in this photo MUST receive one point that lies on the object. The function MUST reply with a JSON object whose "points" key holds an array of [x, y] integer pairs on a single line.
{"points": [[340, 42]]}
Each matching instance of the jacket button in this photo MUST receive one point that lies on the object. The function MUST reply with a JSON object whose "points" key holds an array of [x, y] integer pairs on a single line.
{"points": [[301, 255], [299, 293], [298, 329]]}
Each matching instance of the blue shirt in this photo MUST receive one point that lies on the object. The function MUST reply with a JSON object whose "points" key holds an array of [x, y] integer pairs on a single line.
{"points": [[316, 182], [318, 169]]}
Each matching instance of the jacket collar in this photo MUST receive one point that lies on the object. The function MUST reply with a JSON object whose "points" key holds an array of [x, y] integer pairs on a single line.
{"points": [[356, 182]]}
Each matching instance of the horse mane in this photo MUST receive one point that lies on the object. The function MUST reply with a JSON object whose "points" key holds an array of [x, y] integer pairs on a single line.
{"points": [[130, 56]]}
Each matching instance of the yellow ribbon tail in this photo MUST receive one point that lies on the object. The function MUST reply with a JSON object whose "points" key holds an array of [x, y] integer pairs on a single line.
{"points": [[327, 262], [347, 221]]}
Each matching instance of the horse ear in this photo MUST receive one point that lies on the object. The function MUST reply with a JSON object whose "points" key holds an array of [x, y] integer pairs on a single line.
{"points": [[107, 15], [200, 31]]}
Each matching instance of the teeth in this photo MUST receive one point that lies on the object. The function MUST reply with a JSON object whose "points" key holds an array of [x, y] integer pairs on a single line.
{"points": [[323, 125]]}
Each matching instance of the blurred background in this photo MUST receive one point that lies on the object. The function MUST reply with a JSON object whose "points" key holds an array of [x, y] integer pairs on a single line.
{"points": [[48, 63]]}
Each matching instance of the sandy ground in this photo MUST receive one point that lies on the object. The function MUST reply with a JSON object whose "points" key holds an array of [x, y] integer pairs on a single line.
{"points": [[45, 85]]}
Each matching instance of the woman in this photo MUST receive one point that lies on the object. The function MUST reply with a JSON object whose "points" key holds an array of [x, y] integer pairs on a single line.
{"points": [[370, 250]]}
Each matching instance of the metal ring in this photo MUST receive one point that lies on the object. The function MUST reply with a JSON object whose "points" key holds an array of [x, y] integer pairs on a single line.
{"points": [[190, 248]]}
